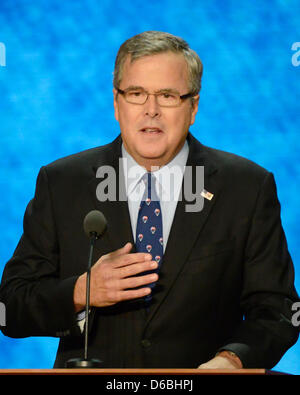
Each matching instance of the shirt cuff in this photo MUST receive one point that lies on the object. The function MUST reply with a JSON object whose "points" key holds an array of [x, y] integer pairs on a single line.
{"points": [[80, 319]]}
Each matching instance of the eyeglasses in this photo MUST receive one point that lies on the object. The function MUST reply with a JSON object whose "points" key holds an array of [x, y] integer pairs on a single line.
{"points": [[165, 98]]}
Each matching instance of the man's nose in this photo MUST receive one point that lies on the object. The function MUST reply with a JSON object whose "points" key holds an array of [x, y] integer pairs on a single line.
{"points": [[152, 108]]}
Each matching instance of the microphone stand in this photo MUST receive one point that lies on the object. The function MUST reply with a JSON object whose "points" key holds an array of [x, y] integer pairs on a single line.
{"points": [[85, 362]]}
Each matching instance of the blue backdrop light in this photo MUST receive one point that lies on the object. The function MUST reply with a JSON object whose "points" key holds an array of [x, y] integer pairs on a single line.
{"points": [[56, 99]]}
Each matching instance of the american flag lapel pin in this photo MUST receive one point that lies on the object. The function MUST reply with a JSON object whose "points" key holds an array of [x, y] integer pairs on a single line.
{"points": [[207, 195]]}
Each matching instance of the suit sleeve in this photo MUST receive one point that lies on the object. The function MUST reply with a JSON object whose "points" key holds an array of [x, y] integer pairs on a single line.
{"points": [[266, 332], [38, 301]]}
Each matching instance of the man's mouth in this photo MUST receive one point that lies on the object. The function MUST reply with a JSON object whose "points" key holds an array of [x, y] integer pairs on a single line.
{"points": [[151, 130]]}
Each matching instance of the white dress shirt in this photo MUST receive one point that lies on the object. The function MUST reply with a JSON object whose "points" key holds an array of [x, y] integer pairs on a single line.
{"points": [[168, 186]]}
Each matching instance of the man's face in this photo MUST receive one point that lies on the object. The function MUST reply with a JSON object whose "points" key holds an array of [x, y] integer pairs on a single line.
{"points": [[153, 135]]}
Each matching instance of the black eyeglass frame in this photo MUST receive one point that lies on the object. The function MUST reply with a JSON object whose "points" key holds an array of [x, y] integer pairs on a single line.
{"points": [[181, 97]]}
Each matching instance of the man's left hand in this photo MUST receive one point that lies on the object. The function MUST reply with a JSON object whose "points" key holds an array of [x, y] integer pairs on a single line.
{"points": [[222, 361]]}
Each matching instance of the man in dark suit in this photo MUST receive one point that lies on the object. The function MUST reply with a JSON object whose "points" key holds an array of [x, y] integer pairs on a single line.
{"points": [[223, 295]]}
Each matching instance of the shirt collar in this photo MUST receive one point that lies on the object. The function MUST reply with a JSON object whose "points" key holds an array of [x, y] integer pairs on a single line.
{"points": [[168, 177]]}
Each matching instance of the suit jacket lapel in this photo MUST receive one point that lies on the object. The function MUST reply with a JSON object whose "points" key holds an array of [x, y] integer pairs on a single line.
{"points": [[186, 226], [119, 230]]}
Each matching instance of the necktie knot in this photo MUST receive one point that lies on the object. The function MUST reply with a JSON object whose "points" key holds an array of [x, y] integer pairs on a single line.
{"points": [[148, 180]]}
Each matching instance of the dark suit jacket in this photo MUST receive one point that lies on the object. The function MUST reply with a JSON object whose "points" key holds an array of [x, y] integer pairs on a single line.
{"points": [[226, 280]]}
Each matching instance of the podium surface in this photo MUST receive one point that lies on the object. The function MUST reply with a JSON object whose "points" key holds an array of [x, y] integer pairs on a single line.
{"points": [[136, 372]]}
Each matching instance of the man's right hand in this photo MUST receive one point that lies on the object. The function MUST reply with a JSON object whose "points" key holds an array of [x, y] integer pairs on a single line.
{"points": [[115, 277]]}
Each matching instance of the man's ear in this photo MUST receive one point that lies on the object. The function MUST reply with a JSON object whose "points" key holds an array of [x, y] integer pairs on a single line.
{"points": [[195, 102], [115, 93]]}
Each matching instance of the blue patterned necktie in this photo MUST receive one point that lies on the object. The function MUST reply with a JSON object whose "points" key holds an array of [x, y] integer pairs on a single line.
{"points": [[149, 230]]}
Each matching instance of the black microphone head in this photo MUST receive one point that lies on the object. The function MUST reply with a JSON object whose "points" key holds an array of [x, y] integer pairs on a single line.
{"points": [[94, 223]]}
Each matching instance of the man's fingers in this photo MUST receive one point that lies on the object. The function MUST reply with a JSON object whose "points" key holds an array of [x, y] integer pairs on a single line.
{"points": [[121, 251], [135, 282], [122, 256], [137, 268], [117, 296], [121, 275], [130, 259], [135, 294]]}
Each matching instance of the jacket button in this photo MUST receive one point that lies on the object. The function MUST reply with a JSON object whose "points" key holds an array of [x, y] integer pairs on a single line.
{"points": [[146, 343]]}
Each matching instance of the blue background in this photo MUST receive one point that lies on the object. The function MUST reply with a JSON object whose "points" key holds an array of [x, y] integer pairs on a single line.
{"points": [[56, 99]]}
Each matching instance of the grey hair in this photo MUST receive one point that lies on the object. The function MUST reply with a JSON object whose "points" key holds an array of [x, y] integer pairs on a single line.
{"points": [[154, 42]]}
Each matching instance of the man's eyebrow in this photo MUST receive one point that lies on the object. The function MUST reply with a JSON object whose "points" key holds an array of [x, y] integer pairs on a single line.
{"points": [[134, 87], [167, 90], [163, 90]]}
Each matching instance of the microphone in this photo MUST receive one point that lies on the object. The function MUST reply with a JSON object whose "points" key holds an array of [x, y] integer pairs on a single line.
{"points": [[94, 226]]}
